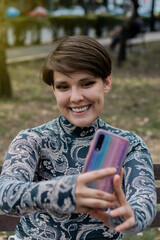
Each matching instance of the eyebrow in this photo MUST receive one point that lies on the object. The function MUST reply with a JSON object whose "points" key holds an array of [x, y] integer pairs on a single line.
{"points": [[87, 78], [80, 80], [60, 82]]}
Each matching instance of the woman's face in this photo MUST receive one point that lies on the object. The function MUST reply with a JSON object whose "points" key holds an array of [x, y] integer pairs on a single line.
{"points": [[80, 96]]}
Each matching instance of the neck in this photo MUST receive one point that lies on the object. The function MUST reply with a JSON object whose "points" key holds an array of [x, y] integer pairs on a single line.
{"points": [[76, 131]]}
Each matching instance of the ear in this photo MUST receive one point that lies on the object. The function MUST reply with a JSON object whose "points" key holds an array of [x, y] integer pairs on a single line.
{"points": [[107, 84]]}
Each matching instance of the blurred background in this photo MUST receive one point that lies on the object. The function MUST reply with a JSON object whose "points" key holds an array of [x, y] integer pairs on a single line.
{"points": [[32, 21], [28, 29]]}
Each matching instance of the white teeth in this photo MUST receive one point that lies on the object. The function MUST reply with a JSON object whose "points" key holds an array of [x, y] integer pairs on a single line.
{"points": [[80, 109]]}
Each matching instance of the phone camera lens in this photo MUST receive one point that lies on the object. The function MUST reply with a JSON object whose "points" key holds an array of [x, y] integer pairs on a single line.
{"points": [[99, 142]]}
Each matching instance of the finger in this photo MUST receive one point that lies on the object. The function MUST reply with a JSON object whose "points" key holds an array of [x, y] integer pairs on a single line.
{"points": [[121, 174], [103, 216], [84, 210], [94, 203], [130, 222], [121, 211], [118, 189], [125, 211], [97, 174], [88, 192]]}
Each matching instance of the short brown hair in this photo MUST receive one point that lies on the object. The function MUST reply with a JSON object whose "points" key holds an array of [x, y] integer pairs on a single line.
{"points": [[74, 54]]}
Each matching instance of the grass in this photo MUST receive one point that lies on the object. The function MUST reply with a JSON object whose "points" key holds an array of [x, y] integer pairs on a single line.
{"points": [[149, 234], [132, 104]]}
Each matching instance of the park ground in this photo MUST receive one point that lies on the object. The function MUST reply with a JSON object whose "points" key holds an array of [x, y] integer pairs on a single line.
{"points": [[132, 104]]}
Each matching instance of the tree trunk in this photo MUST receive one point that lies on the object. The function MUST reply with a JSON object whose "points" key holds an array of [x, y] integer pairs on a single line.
{"points": [[5, 85], [122, 48], [152, 21], [125, 34]]}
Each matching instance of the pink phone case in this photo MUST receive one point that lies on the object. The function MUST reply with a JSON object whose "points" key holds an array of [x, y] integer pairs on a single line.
{"points": [[106, 150]]}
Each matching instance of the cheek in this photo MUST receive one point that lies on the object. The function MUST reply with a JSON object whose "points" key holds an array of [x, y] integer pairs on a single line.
{"points": [[97, 97], [61, 99]]}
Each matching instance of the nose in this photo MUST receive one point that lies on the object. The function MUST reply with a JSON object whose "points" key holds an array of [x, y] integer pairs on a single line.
{"points": [[76, 95]]}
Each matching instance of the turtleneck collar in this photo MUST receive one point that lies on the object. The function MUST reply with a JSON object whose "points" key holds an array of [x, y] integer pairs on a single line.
{"points": [[75, 131]]}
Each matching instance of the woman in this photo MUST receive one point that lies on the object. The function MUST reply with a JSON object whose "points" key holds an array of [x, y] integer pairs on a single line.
{"points": [[41, 178]]}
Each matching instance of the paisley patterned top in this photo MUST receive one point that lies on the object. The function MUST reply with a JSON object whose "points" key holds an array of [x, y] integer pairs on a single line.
{"points": [[39, 175]]}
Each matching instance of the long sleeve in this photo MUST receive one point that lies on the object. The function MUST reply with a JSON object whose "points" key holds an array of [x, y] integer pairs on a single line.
{"points": [[139, 186], [19, 194], [39, 176]]}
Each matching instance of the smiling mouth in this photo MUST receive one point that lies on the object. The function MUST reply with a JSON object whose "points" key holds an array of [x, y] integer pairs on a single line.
{"points": [[80, 109]]}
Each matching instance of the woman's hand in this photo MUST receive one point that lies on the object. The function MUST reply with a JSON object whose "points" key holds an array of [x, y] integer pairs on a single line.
{"points": [[87, 198], [122, 208]]}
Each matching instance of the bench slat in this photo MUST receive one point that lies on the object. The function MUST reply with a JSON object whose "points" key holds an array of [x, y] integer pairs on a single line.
{"points": [[158, 194], [8, 223], [157, 171], [156, 221]]}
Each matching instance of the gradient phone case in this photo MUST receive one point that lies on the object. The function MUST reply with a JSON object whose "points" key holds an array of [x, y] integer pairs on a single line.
{"points": [[106, 150]]}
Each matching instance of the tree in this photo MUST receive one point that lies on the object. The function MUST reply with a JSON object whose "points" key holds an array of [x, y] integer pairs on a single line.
{"points": [[5, 84], [152, 22], [129, 29]]}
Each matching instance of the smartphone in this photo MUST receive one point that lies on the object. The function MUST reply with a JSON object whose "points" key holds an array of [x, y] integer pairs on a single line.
{"points": [[106, 150]]}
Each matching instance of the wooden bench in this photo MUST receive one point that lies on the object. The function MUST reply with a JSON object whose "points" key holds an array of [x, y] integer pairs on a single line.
{"points": [[8, 223]]}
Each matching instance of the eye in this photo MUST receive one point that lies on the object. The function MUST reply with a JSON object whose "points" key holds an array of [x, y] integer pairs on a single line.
{"points": [[88, 83], [62, 87]]}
